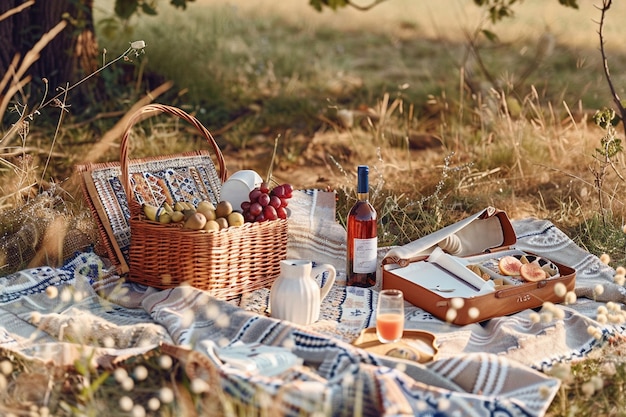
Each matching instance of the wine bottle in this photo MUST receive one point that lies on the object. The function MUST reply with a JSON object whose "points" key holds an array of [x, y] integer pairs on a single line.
{"points": [[362, 244]]}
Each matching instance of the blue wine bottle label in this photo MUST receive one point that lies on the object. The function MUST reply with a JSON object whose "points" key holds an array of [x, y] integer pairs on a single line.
{"points": [[365, 255]]}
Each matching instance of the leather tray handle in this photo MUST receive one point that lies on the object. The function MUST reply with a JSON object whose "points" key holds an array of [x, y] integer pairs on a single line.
{"points": [[515, 290]]}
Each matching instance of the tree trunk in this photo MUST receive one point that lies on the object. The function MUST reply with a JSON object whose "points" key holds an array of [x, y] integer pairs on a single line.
{"points": [[69, 57]]}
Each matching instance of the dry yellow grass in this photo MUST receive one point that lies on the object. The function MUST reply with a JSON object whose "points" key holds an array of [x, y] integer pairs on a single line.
{"points": [[448, 19]]}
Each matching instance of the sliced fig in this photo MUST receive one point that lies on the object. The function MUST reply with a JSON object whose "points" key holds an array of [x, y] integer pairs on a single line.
{"points": [[510, 265], [532, 272]]}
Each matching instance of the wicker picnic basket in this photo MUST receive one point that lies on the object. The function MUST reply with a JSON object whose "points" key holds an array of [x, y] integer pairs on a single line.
{"points": [[225, 263]]}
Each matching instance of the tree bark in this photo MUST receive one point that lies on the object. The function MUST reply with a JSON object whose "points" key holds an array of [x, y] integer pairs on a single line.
{"points": [[69, 57]]}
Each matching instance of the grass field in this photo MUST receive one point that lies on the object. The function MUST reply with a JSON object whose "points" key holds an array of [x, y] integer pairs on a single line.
{"points": [[265, 74], [255, 71]]}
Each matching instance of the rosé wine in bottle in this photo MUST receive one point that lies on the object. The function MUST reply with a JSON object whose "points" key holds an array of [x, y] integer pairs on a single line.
{"points": [[362, 242]]}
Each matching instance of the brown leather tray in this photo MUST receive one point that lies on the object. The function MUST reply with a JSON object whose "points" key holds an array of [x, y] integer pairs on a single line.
{"points": [[486, 234]]}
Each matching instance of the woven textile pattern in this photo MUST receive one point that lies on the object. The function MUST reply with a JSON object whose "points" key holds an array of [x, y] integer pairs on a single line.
{"points": [[184, 178]]}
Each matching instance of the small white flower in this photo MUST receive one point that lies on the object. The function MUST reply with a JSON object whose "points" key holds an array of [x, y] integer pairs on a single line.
{"points": [[546, 317], [570, 298], [165, 361], [451, 315], [138, 411], [138, 45], [212, 311], [154, 404], [443, 404], [559, 313], [187, 318], [599, 289], [534, 317], [588, 389], [560, 289], [140, 372], [223, 321], [591, 330], [457, 303], [549, 306], [613, 307], [166, 395], [120, 374], [35, 317], [108, 342], [126, 404], [198, 386], [66, 295], [78, 296], [127, 384], [6, 367], [473, 312], [52, 292]]}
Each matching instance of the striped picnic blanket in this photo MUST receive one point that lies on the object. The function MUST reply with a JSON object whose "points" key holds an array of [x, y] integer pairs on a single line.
{"points": [[493, 368]]}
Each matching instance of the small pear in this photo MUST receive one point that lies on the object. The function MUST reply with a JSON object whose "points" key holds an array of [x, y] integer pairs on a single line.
{"points": [[222, 222], [208, 210], [205, 205], [165, 218], [177, 216], [235, 219], [223, 209], [196, 222], [211, 225]]}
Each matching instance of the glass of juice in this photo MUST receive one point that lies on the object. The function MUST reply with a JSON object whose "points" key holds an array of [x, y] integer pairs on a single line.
{"points": [[390, 316]]}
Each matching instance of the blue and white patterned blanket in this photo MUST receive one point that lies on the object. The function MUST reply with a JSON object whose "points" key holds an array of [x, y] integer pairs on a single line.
{"points": [[493, 368]]}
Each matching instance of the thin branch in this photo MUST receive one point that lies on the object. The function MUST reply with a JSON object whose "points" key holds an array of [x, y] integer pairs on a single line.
{"points": [[474, 50], [29, 59], [16, 9], [64, 91], [606, 5], [56, 135], [364, 8]]}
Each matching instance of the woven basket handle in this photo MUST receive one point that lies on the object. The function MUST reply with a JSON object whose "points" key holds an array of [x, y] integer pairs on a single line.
{"points": [[151, 110]]}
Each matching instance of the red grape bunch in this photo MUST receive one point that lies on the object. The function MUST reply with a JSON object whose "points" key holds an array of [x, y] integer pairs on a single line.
{"points": [[266, 204]]}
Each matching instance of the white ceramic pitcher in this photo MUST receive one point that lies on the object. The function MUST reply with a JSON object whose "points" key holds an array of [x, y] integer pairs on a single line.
{"points": [[295, 295]]}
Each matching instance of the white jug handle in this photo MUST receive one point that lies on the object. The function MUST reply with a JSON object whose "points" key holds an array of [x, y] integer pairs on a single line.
{"points": [[332, 274]]}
